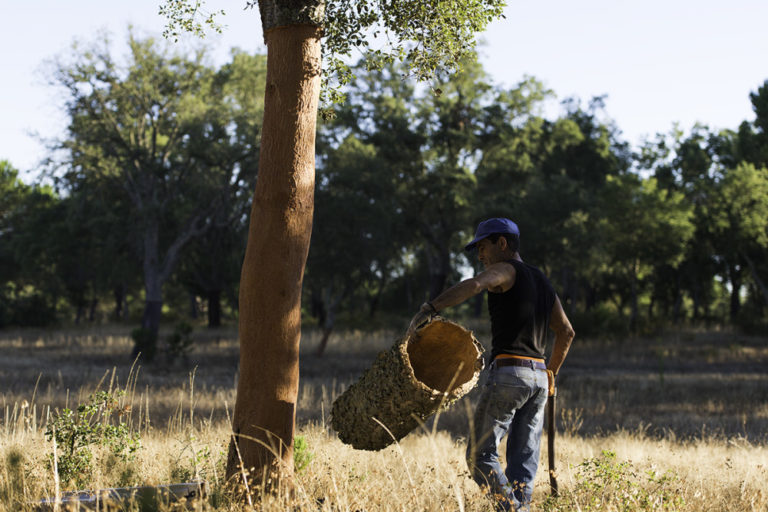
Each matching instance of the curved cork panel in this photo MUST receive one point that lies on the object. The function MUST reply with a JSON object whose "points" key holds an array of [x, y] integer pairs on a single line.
{"points": [[434, 367]]}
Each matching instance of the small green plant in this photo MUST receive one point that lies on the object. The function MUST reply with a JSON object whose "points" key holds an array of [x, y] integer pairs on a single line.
{"points": [[604, 482], [180, 341], [195, 466], [91, 424], [301, 454]]}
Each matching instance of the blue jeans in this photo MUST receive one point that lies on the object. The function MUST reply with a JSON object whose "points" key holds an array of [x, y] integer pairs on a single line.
{"points": [[512, 403]]}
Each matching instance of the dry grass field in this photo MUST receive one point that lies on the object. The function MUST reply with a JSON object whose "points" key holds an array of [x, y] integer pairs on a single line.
{"points": [[678, 422]]}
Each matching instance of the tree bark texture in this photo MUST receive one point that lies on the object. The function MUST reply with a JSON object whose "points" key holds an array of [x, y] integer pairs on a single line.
{"points": [[423, 372], [273, 268], [284, 13]]}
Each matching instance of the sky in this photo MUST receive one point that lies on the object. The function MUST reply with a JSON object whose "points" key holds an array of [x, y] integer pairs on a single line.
{"points": [[658, 62]]}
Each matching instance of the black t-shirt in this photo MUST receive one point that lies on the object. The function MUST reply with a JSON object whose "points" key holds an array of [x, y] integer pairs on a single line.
{"points": [[520, 316]]}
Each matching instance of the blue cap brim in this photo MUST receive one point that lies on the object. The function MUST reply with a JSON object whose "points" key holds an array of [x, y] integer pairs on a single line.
{"points": [[471, 245]]}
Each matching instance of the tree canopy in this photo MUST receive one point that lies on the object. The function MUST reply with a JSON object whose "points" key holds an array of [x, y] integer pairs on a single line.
{"points": [[403, 174]]}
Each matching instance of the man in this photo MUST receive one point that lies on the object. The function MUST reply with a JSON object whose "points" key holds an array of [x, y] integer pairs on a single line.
{"points": [[522, 305]]}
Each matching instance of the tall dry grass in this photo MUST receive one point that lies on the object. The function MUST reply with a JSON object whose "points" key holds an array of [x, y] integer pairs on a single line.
{"points": [[636, 434]]}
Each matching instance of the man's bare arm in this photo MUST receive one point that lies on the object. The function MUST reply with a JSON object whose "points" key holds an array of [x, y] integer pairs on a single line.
{"points": [[499, 275], [564, 334]]}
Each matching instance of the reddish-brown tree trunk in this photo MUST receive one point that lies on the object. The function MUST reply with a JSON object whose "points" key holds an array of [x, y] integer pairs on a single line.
{"points": [[273, 269]]}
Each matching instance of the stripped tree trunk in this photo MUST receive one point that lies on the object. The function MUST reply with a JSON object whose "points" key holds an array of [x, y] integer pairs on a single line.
{"points": [[756, 277], [278, 244]]}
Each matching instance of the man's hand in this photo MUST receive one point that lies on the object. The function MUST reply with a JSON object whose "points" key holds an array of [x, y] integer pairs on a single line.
{"points": [[425, 314], [551, 380]]}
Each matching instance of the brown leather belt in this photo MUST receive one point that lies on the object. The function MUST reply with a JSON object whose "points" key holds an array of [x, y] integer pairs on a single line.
{"points": [[525, 363]]}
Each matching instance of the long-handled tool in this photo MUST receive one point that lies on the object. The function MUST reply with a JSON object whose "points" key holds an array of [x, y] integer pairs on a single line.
{"points": [[551, 441]]}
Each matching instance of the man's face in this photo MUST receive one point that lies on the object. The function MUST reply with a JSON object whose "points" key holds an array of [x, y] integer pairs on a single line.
{"points": [[489, 253]]}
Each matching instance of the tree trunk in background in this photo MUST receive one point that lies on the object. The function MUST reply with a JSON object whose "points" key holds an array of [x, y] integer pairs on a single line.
{"points": [[278, 244], [590, 301], [735, 278], [120, 306], [567, 284], [151, 318], [214, 308], [373, 304], [677, 307], [696, 297], [634, 309], [756, 277], [327, 330], [153, 294], [439, 269], [92, 310], [331, 303], [79, 312]]}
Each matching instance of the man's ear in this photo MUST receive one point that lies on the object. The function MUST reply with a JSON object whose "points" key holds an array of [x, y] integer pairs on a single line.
{"points": [[503, 244]]}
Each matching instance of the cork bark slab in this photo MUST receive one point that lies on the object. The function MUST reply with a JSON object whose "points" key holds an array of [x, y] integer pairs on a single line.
{"points": [[438, 364]]}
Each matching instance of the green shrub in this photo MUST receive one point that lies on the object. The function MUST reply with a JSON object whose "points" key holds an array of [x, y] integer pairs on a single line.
{"points": [[604, 483], [91, 424], [301, 454]]}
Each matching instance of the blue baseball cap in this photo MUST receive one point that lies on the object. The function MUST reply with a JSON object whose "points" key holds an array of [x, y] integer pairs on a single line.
{"points": [[490, 227]]}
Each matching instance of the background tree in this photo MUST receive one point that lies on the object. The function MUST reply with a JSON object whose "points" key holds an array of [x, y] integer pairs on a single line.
{"points": [[686, 164], [29, 288], [750, 146], [739, 218], [159, 130], [425, 143], [12, 193], [358, 234], [645, 228], [210, 265], [380, 118], [548, 175]]}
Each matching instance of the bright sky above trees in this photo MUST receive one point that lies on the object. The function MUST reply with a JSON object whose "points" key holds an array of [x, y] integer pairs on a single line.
{"points": [[657, 61]]}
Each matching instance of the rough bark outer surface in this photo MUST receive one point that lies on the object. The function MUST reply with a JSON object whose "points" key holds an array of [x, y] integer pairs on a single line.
{"points": [[273, 268], [436, 366], [282, 13]]}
